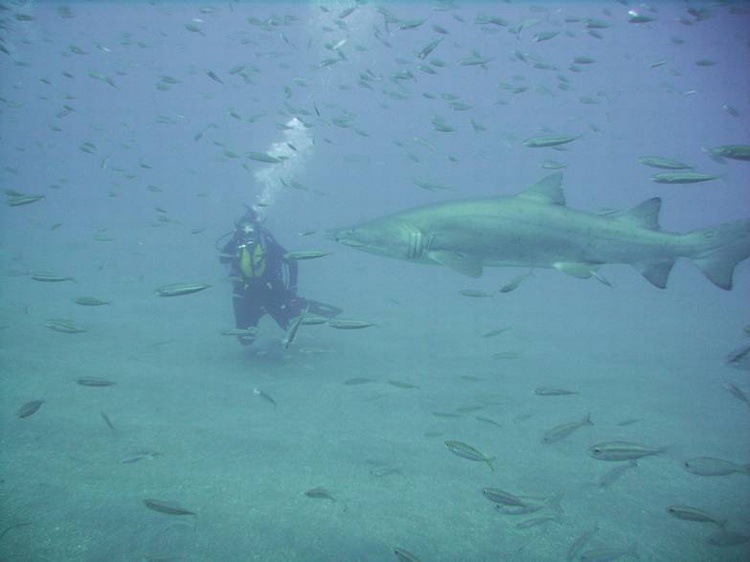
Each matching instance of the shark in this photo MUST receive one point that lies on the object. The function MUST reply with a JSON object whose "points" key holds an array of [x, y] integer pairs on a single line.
{"points": [[535, 229]]}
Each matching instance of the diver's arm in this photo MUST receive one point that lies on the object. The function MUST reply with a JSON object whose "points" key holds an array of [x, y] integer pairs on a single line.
{"points": [[228, 252]]}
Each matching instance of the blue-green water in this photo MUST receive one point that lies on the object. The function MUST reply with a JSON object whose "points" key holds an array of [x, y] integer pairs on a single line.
{"points": [[109, 112]]}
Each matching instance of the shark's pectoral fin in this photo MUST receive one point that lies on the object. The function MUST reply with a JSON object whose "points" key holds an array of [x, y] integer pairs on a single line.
{"points": [[467, 265], [656, 272]]}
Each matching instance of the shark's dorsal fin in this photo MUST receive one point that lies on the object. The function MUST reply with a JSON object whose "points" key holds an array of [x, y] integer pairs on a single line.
{"points": [[645, 215], [547, 190]]}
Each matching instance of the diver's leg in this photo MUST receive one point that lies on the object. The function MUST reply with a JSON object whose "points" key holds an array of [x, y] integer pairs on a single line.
{"points": [[247, 313], [286, 308]]}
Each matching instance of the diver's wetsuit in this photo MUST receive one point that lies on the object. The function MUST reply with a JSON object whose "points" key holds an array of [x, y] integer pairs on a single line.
{"points": [[265, 282]]}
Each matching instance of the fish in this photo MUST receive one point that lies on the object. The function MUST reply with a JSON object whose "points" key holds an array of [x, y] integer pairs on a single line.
{"points": [[488, 420], [731, 151], [431, 186], [264, 396], [49, 277], [64, 325], [94, 381], [580, 542], [536, 521], [106, 419], [621, 451], [29, 409], [178, 289], [535, 229], [357, 381], [403, 555], [439, 124], [614, 474], [473, 293], [20, 200], [263, 157], [495, 332], [514, 283], [427, 49], [402, 384], [170, 508], [497, 495], [710, 466], [291, 332], [381, 471], [682, 177], [552, 391], [140, 456], [475, 60], [213, 76], [663, 163], [305, 255], [727, 538], [90, 301], [346, 324], [560, 432], [251, 332], [468, 452], [609, 553], [546, 141], [740, 359], [688, 513], [320, 492]]}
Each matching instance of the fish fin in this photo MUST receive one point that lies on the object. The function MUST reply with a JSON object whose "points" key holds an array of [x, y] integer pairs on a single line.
{"points": [[547, 190], [657, 272], [580, 270], [719, 249], [645, 215], [466, 265]]}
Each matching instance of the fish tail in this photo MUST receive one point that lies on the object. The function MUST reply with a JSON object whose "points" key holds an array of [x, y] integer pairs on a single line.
{"points": [[489, 463], [719, 249]]}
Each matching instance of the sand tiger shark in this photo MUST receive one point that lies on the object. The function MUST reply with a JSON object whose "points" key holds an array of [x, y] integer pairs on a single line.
{"points": [[534, 229]]}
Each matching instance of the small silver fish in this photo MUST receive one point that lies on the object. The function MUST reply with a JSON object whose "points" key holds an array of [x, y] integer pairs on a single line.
{"points": [[321, 493], [552, 391], [178, 289], [688, 513], [546, 141], [710, 466], [682, 177], [30, 408], [170, 508], [621, 451], [264, 396], [562, 431], [468, 452], [305, 255]]}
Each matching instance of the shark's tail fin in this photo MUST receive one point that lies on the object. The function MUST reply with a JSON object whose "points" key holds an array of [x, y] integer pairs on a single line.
{"points": [[719, 249]]}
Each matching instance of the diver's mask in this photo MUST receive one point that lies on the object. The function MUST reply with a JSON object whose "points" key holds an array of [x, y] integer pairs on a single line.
{"points": [[247, 233]]}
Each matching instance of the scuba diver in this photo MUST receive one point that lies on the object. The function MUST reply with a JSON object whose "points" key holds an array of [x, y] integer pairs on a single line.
{"points": [[264, 280]]}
